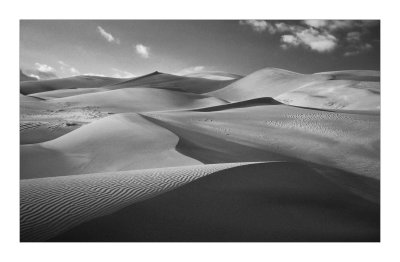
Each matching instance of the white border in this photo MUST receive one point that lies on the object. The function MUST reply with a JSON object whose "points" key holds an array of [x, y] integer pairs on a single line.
{"points": [[12, 250]]}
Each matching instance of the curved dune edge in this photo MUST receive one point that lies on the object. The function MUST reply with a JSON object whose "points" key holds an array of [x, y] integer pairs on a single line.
{"points": [[274, 201], [50, 206]]}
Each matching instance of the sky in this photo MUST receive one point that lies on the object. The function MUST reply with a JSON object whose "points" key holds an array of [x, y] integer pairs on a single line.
{"points": [[129, 48]]}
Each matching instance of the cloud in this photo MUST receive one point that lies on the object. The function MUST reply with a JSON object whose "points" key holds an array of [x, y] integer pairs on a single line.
{"points": [[44, 68], [108, 36], [93, 74], [319, 41], [41, 71], [142, 50], [316, 23], [353, 37], [122, 74], [355, 44], [289, 40], [359, 49], [322, 36], [67, 69], [259, 25], [190, 70], [282, 27]]}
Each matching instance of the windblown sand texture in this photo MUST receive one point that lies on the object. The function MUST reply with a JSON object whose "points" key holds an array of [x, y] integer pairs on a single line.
{"points": [[212, 156]]}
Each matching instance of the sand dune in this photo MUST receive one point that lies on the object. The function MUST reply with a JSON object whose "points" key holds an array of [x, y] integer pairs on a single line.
{"points": [[47, 95], [360, 75], [335, 94], [120, 142], [278, 132], [50, 206], [268, 82], [141, 100], [257, 202], [293, 157], [359, 90], [173, 82], [74, 82], [23, 77], [215, 75]]}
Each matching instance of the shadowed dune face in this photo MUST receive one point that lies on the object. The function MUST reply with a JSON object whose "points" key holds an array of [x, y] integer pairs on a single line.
{"points": [[259, 202]]}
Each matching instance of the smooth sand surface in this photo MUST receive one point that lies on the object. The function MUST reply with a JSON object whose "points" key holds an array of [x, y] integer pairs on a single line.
{"points": [[281, 156], [120, 142], [258, 202], [141, 100], [352, 89]]}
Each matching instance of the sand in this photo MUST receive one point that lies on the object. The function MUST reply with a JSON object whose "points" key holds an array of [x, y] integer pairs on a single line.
{"points": [[210, 156], [258, 202], [352, 89]]}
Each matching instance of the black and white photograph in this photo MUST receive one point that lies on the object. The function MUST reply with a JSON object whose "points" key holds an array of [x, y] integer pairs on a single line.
{"points": [[200, 130]]}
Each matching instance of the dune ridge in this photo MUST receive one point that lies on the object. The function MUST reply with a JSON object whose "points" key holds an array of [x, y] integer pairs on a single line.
{"points": [[351, 89], [275, 201], [50, 206]]}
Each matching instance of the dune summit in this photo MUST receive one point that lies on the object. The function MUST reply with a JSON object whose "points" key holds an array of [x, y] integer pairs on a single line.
{"points": [[212, 156]]}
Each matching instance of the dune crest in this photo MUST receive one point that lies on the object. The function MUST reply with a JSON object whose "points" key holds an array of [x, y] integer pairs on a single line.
{"points": [[50, 206]]}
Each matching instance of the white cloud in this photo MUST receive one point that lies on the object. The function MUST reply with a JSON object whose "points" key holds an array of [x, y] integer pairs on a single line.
{"points": [[42, 71], [290, 40], [67, 69], [108, 36], [44, 68], [93, 74], [142, 50], [316, 23], [122, 74], [190, 70], [333, 25], [35, 76], [282, 27], [259, 25], [319, 41]]}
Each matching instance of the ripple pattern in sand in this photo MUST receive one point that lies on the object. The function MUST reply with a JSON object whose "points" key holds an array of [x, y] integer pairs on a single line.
{"points": [[50, 206]]}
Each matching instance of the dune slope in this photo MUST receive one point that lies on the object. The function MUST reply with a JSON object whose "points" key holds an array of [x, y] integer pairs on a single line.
{"points": [[119, 142], [358, 90], [258, 202], [50, 206], [140, 100], [173, 82], [278, 132], [74, 82]]}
